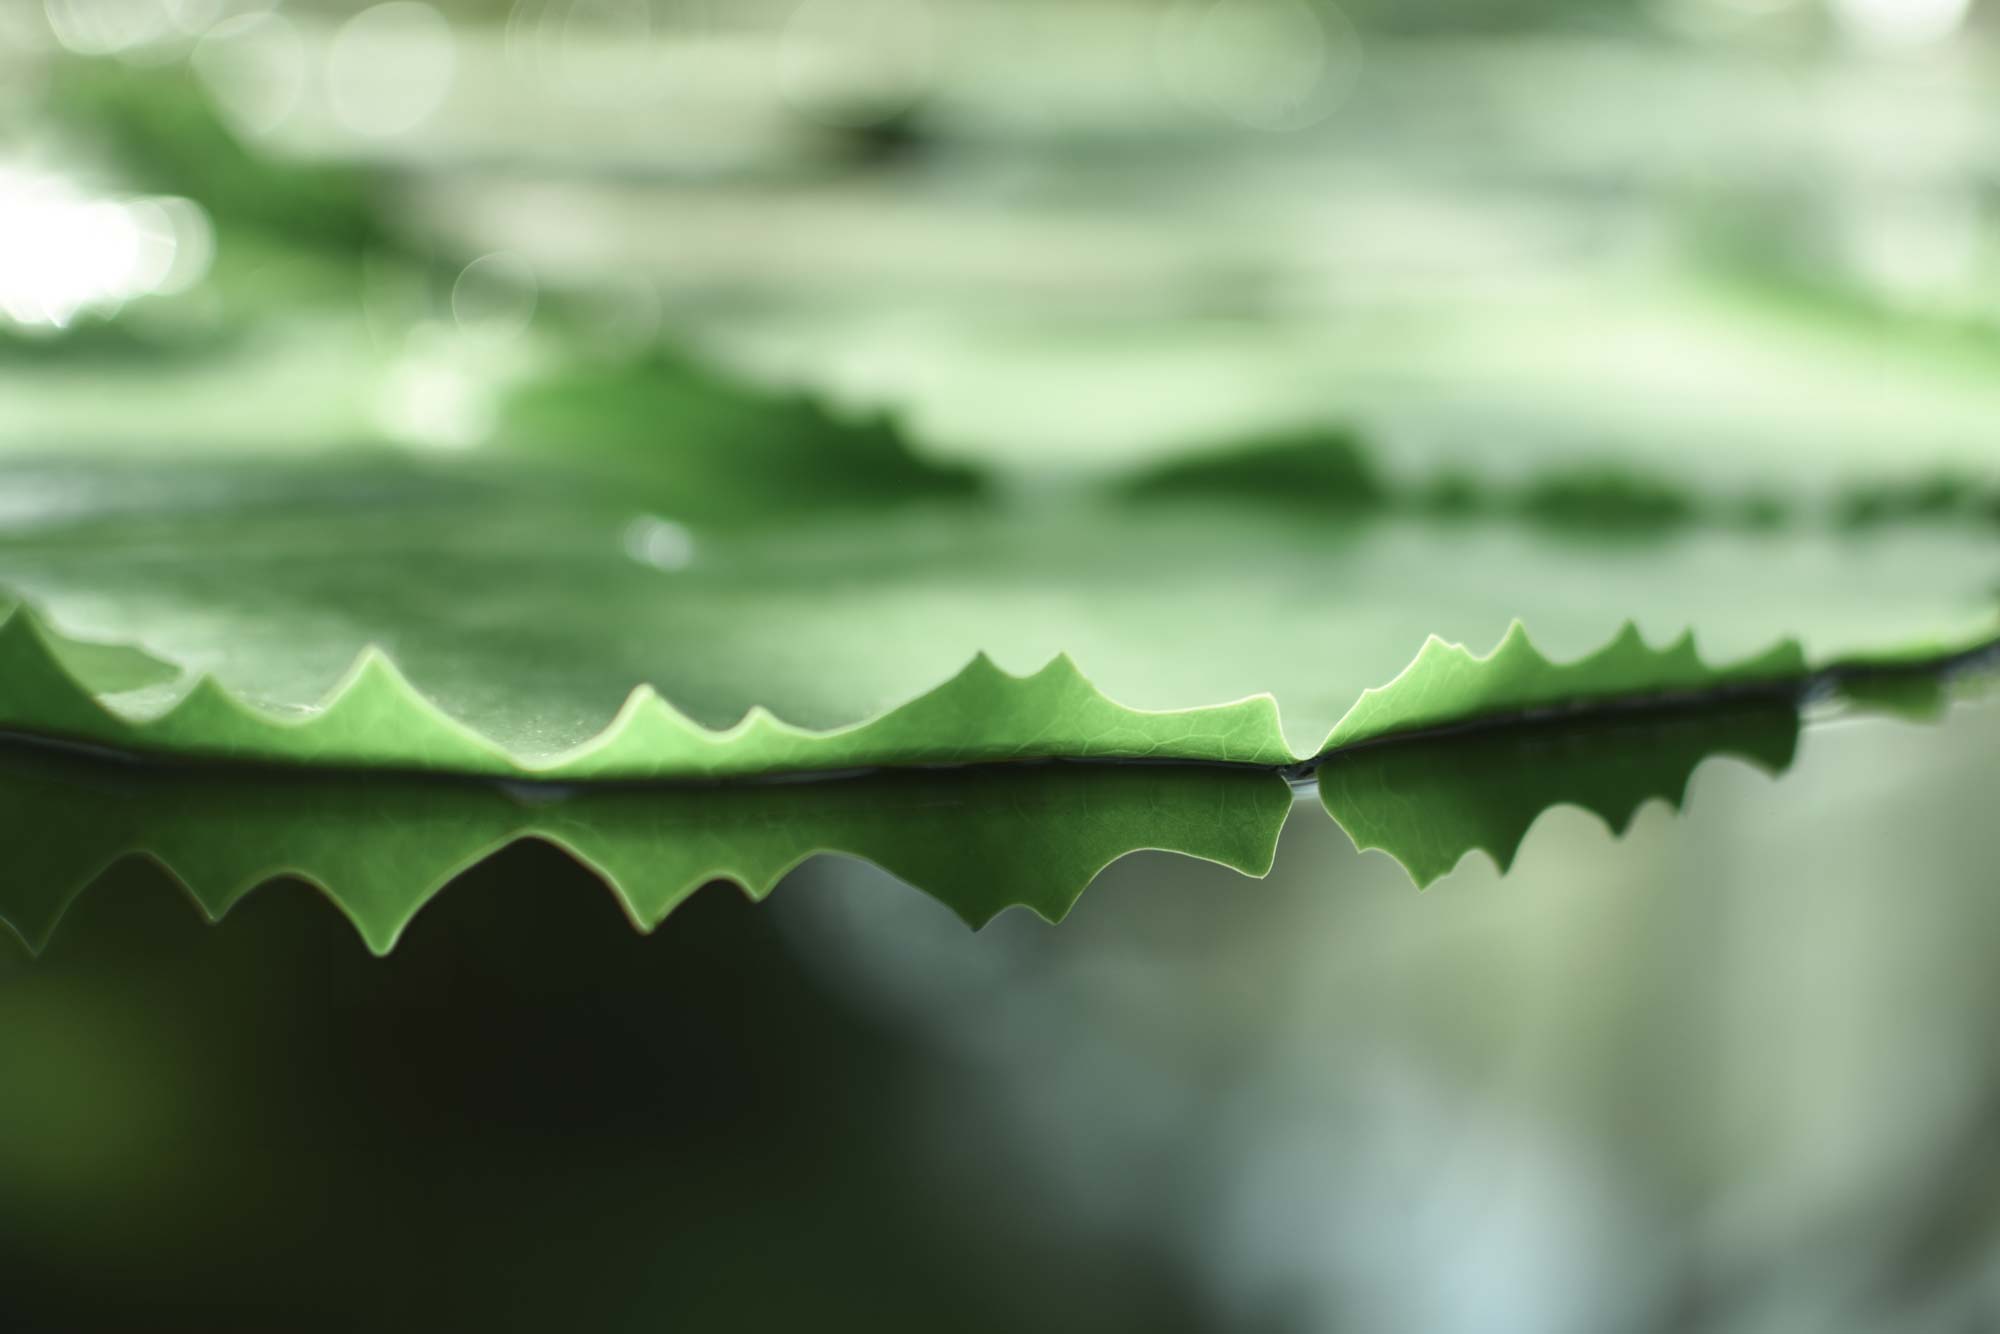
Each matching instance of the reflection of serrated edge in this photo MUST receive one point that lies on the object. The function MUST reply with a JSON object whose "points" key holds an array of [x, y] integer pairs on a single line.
{"points": [[382, 941], [646, 904], [1423, 873]]}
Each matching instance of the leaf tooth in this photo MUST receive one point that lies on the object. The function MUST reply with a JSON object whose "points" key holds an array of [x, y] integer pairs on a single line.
{"points": [[206, 704], [644, 710], [1629, 639], [372, 669], [29, 665], [1515, 643], [758, 720], [1436, 645], [1446, 684], [1062, 667], [980, 664]]}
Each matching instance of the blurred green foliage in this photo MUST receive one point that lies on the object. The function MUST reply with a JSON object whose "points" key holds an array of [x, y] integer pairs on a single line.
{"points": [[688, 440], [161, 132], [1325, 469]]}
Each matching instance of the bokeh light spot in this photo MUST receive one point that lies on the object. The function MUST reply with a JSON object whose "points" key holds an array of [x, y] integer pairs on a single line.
{"points": [[106, 27], [1900, 24], [437, 394], [63, 252], [255, 68], [390, 68], [660, 543], [494, 295], [1274, 65]]}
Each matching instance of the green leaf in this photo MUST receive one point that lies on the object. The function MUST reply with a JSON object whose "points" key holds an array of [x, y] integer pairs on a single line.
{"points": [[979, 839], [1447, 684], [495, 619], [373, 718], [662, 430], [381, 846], [1324, 469]]}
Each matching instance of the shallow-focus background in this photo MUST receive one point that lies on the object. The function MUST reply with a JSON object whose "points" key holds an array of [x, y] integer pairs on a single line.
{"points": [[1748, 237], [1732, 1071]]}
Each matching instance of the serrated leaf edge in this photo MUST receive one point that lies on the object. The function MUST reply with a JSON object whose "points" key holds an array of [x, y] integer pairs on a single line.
{"points": [[1445, 684]]}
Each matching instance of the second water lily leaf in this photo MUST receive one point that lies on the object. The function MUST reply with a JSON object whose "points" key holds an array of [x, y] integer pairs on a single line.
{"points": [[372, 613]]}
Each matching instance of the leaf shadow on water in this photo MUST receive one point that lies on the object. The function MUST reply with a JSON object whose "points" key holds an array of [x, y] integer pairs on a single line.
{"points": [[978, 839]]}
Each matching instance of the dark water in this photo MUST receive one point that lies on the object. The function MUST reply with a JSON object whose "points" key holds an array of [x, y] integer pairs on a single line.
{"points": [[1732, 1070]]}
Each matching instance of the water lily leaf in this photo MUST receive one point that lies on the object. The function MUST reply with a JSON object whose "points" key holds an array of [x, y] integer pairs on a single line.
{"points": [[1447, 684], [486, 619], [1428, 801], [381, 847]]}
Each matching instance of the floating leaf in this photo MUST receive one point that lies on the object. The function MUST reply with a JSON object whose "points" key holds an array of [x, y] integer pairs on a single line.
{"points": [[490, 619], [1448, 684], [373, 718], [1429, 800], [978, 839], [1919, 694]]}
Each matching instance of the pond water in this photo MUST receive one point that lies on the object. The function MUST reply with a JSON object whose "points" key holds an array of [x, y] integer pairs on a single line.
{"points": [[1730, 1068]]}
